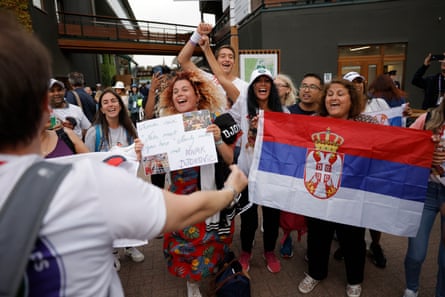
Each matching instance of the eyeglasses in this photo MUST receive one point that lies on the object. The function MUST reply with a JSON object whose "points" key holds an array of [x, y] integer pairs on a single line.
{"points": [[311, 87]]}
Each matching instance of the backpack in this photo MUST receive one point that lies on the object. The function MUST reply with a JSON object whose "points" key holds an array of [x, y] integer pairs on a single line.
{"points": [[100, 139]]}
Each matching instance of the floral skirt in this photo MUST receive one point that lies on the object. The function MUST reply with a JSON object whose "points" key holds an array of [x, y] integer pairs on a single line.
{"points": [[193, 253]]}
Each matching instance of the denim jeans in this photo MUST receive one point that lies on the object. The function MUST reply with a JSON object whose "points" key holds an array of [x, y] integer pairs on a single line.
{"points": [[418, 246]]}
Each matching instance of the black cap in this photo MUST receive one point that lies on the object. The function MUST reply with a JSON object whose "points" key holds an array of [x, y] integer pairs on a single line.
{"points": [[229, 128]]}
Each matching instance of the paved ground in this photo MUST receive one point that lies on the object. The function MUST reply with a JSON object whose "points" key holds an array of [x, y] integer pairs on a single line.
{"points": [[150, 278]]}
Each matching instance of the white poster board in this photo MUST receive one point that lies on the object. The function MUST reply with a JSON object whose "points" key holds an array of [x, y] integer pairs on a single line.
{"points": [[176, 142]]}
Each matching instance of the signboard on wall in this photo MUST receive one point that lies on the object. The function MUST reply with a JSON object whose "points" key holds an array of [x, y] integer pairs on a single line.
{"points": [[252, 59]]}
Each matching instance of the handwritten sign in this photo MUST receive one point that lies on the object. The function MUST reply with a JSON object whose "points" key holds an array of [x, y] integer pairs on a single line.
{"points": [[170, 144]]}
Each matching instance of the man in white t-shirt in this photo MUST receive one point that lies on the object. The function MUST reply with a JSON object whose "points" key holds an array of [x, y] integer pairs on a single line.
{"points": [[221, 63], [64, 110], [95, 203]]}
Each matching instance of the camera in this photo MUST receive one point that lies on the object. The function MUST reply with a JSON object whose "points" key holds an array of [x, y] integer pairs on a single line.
{"points": [[438, 57]]}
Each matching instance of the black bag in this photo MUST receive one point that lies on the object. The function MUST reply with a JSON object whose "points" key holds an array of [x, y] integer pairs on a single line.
{"points": [[231, 280]]}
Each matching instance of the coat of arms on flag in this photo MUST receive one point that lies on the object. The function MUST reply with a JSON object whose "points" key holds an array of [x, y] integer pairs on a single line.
{"points": [[322, 173]]}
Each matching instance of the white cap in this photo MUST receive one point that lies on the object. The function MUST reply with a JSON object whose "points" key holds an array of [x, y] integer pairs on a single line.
{"points": [[352, 75], [53, 81], [119, 85], [260, 72]]}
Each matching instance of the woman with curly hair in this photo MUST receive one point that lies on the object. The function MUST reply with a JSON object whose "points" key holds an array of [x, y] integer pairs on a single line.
{"points": [[194, 252]]}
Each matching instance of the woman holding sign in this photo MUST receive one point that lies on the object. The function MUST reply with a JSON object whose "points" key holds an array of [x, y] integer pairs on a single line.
{"points": [[113, 127], [194, 252]]}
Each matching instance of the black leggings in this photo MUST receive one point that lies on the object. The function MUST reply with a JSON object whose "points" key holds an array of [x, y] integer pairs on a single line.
{"points": [[249, 225]]}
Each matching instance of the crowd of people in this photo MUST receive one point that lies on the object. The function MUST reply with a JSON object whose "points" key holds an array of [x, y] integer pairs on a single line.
{"points": [[195, 211]]}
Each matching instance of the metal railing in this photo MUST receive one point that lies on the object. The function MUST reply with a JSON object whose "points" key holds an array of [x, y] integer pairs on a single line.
{"points": [[74, 25]]}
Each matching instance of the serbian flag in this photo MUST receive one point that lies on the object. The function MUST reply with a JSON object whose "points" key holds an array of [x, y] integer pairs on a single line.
{"points": [[390, 117], [343, 171]]}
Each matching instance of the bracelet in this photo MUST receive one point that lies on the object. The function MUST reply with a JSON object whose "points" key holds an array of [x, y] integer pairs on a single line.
{"points": [[236, 195], [219, 142], [195, 38]]}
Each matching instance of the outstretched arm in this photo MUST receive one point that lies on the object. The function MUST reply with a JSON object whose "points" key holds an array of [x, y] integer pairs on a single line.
{"points": [[185, 210], [155, 84], [231, 90], [185, 55], [418, 79]]}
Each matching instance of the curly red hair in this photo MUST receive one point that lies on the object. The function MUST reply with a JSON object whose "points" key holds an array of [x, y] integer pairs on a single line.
{"points": [[210, 96]]}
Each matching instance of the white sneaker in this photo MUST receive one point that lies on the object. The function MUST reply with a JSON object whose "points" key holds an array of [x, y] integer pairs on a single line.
{"points": [[410, 293], [353, 290], [117, 262], [134, 254], [193, 289], [307, 284]]}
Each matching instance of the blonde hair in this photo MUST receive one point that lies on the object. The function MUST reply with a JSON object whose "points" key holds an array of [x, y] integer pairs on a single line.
{"points": [[291, 97], [210, 97], [437, 118]]}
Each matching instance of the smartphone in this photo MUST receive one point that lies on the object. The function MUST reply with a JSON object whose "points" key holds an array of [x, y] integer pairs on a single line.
{"points": [[437, 57], [157, 69]]}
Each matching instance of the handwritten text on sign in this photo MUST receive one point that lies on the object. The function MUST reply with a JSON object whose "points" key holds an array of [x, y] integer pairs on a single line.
{"points": [[167, 135]]}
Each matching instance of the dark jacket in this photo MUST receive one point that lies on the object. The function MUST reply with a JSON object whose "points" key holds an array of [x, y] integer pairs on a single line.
{"points": [[88, 103], [430, 86]]}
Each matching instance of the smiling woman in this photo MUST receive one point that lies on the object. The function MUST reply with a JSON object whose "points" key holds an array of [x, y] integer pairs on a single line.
{"points": [[193, 252], [112, 125], [340, 100]]}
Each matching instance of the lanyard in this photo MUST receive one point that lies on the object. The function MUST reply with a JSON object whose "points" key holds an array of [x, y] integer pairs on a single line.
{"points": [[439, 94], [440, 84]]}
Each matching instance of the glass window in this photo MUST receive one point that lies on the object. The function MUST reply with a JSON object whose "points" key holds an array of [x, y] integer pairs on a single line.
{"points": [[359, 50], [394, 49]]}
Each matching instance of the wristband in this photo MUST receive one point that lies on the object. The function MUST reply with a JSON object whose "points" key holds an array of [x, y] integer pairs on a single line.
{"points": [[219, 142], [236, 195], [195, 38]]}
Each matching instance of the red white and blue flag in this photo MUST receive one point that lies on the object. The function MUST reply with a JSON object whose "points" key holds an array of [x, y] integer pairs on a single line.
{"points": [[349, 172], [390, 117]]}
